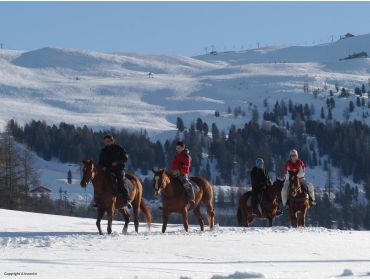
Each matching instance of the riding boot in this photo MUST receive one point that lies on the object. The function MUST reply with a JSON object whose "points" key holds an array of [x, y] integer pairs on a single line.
{"points": [[123, 189], [189, 191], [310, 190], [255, 210], [190, 195]]}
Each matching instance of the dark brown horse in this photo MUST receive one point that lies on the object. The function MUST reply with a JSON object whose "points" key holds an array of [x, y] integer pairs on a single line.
{"points": [[271, 198], [298, 201], [174, 198], [106, 198]]}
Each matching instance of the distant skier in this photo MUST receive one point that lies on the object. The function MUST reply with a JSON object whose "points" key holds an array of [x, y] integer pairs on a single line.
{"points": [[296, 165], [181, 169]]}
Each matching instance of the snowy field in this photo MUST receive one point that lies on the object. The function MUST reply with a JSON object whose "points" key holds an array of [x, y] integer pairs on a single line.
{"points": [[57, 246], [103, 90]]}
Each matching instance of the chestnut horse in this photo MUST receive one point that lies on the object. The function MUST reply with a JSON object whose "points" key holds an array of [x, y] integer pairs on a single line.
{"points": [[174, 198], [271, 198], [106, 198], [298, 201]]}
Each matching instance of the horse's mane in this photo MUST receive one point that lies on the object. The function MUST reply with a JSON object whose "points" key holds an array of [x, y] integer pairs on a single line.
{"points": [[176, 185]]}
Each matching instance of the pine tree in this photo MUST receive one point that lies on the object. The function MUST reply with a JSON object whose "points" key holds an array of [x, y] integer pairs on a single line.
{"points": [[180, 124], [351, 106], [199, 124], [69, 177], [322, 115], [205, 129]]}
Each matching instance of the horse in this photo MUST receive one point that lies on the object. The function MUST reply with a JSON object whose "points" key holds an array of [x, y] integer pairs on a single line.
{"points": [[298, 201], [174, 198], [106, 198], [270, 201]]}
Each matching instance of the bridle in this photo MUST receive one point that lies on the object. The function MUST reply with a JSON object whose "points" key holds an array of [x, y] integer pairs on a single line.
{"points": [[84, 181], [294, 189], [158, 182]]}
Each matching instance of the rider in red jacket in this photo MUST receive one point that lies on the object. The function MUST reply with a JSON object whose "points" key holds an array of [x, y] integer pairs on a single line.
{"points": [[182, 160], [181, 168], [294, 164]]}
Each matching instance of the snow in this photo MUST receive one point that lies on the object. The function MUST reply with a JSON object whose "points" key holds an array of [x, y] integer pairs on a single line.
{"points": [[104, 90], [69, 247]]}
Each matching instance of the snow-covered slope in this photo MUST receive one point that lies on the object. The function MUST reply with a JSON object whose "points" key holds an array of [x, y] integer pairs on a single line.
{"points": [[56, 246], [104, 90]]}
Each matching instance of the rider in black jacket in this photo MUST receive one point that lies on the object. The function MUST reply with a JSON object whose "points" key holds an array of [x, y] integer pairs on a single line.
{"points": [[259, 179], [113, 157]]}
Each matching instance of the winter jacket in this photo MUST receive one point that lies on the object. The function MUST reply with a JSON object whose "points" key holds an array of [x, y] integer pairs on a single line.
{"points": [[113, 153], [259, 178], [297, 166], [182, 162]]}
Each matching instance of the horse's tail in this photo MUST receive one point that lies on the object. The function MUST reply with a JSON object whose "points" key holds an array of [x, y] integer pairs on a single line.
{"points": [[147, 212], [239, 216]]}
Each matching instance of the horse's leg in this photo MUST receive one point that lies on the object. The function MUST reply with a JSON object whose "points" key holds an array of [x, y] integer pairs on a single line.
{"points": [[304, 217], [110, 220], [165, 215], [98, 220], [211, 215], [293, 218], [185, 219], [126, 216], [270, 220], [136, 216], [199, 216], [243, 210], [250, 219], [299, 218]]}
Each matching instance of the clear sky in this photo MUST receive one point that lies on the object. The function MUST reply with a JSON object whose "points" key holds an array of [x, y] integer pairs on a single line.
{"points": [[185, 28]]}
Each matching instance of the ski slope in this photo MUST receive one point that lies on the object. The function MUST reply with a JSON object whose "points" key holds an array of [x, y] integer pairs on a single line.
{"points": [[68, 247], [104, 90]]}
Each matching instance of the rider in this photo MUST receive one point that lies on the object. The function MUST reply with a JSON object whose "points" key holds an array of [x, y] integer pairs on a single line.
{"points": [[113, 157], [295, 164], [181, 168], [260, 180]]}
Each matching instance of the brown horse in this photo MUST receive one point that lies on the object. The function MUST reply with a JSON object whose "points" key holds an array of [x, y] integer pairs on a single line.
{"points": [[106, 198], [271, 198], [174, 198], [298, 201]]}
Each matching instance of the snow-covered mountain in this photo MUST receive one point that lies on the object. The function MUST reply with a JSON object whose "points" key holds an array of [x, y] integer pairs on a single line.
{"points": [[56, 246], [104, 90]]}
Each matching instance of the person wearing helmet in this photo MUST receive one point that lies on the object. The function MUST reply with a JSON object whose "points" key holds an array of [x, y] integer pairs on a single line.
{"points": [[296, 165], [260, 180]]}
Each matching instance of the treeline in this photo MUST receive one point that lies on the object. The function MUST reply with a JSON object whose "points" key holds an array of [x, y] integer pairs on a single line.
{"points": [[73, 144], [19, 175], [231, 154], [226, 157]]}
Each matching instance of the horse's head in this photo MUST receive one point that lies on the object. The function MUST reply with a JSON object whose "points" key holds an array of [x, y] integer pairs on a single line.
{"points": [[88, 172], [295, 186], [160, 180], [275, 189]]}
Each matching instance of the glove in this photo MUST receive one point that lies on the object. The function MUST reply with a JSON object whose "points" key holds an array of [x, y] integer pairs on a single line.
{"points": [[175, 172]]}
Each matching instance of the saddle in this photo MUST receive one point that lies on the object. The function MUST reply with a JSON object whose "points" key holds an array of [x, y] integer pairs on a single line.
{"points": [[193, 184], [259, 200], [115, 182]]}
